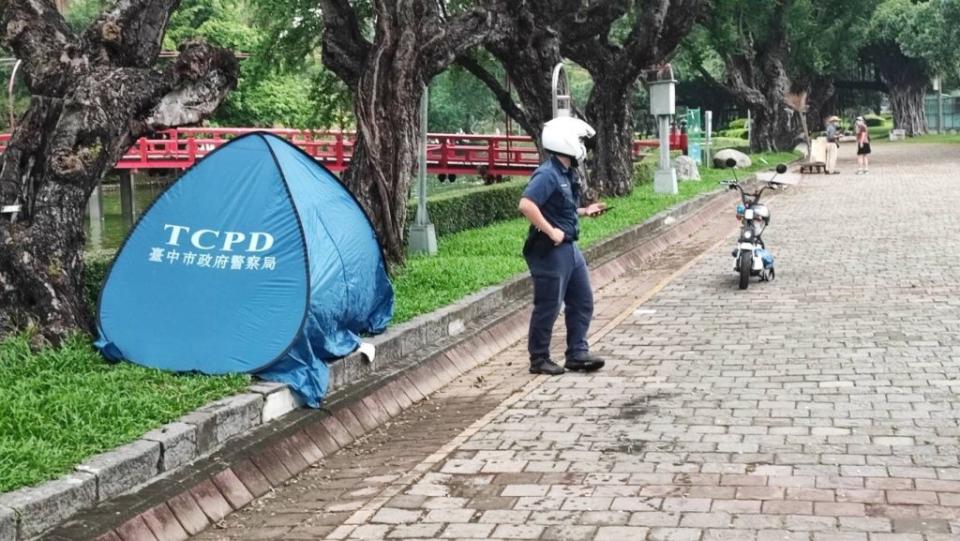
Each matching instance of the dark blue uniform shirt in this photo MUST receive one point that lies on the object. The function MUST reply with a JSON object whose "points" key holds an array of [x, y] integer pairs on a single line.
{"points": [[555, 190]]}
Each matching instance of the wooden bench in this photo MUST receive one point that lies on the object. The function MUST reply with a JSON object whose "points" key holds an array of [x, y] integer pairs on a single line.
{"points": [[898, 135]]}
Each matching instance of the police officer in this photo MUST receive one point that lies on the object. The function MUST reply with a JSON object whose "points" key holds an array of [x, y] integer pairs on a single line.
{"points": [[551, 203]]}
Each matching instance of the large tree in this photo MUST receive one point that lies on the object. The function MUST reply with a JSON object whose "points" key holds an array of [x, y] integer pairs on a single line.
{"points": [[412, 41], [614, 40], [92, 95], [910, 42], [751, 36], [647, 35], [528, 46]]}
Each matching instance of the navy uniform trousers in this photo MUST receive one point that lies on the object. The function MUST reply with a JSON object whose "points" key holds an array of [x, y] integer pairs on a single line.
{"points": [[560, 276]]}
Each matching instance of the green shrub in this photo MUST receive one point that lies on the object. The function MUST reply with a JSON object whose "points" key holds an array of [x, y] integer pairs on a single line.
{"points": [[468, 210], [737, 124], [874, 121], [94, 273], [643, 170], [735, 133]]}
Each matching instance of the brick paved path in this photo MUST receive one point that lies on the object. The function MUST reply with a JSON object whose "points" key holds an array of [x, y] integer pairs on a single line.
{"points": [[821, 407]]}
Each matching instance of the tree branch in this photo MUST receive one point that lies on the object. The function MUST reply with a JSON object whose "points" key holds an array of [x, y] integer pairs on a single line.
{"points": [[202, 77], [130, 34], [503, 96], [450, 39], [345, 49], [39, 36]]}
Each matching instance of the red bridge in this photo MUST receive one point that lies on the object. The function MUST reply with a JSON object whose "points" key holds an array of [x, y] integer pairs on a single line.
{"points": [[450, 154]]}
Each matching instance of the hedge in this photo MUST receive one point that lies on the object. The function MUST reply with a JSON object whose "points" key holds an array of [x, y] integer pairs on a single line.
{"points": [[874, 121], [479, 207], [735, 133]]}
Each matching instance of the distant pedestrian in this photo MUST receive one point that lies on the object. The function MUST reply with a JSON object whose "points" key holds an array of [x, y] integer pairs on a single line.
{"points": [[551, 202], [833, 145], [863, 146]]}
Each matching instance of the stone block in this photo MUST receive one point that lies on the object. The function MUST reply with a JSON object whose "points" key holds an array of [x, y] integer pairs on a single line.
{"points": [[178, 444], [237, 414], [123, 468], [8, 524], [205, 423], [45, 506]]}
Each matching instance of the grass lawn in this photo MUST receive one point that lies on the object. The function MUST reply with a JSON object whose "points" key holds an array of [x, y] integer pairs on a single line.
{"points": [[934, 138], [60, 406]]}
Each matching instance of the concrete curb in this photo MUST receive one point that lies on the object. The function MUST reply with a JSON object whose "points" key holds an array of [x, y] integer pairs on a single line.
{"points": [[272, 439]]}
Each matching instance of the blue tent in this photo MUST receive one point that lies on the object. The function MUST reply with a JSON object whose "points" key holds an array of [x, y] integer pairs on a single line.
{"points": [[256, 260]]}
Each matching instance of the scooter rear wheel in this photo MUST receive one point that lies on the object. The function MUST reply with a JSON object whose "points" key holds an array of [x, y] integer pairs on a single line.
{"points": [[746, 265]]}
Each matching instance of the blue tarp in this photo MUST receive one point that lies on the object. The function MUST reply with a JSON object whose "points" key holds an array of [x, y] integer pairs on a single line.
{"points": [[256, 260]]}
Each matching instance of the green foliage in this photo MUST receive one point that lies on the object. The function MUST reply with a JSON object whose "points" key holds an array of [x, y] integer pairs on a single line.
{"points": [[924, 31], [80, 13], [738, 124], [643, 170], [738, 133], [472, 208], [94, 274], [62, 405], [460, 102], [269, 100], [874, 121]]}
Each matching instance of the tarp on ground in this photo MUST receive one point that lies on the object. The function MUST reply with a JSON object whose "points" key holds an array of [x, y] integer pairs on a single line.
{"points": [[256, 260]]}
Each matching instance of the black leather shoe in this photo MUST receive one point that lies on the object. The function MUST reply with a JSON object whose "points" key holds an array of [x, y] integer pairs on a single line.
{"points": [[586, 362], [545, 366]]}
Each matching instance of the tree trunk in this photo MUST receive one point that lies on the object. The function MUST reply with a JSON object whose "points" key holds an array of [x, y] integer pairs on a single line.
{"points": [[609, 111], [821, 103], [414, 40], [528, 48], [909, 113], [657, 27], [91, 98], [774, 129], [384, 158], [907, 79]]}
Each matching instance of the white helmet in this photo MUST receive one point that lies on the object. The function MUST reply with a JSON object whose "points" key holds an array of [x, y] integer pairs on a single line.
{"points": [[563, 135]]}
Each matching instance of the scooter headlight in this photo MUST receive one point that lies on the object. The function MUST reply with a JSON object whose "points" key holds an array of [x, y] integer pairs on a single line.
{"points": [[747, 234]]}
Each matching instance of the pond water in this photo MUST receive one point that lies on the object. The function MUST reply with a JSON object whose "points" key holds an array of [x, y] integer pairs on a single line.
{"points": [[110, 235]]}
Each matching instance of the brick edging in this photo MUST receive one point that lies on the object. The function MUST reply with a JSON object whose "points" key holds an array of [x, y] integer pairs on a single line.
{"points": [[366, 396]]}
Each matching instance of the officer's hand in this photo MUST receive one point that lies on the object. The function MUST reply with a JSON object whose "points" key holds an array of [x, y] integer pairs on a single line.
{"points": [[596, 209], [556, 235]]}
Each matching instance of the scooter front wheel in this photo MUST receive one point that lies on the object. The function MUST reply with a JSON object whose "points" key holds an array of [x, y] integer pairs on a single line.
{"points": [[746, 265]]}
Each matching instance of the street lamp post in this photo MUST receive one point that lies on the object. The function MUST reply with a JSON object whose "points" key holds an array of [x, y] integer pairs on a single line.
{"points": [[423, 235], [662, 87]]}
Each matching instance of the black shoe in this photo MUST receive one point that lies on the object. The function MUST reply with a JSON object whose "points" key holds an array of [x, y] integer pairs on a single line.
{"points": [[585, 362], [545, 366]]}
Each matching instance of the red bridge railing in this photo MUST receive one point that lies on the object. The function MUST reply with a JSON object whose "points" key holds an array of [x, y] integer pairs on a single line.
{"points": [[459, 154]]}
